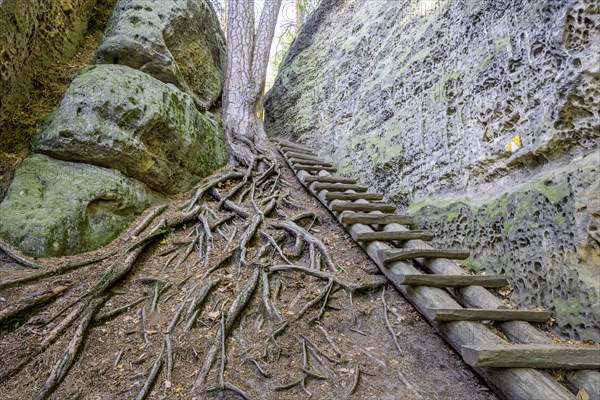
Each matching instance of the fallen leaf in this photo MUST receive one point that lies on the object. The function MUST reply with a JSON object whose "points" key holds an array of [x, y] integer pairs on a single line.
{"points": [[582, 394]]}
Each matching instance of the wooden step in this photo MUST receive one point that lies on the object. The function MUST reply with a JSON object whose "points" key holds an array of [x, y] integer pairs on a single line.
{"points": [[338, 187], [287, 150], [377, 219], [353, 196], [283, 142], [478, 314], [303, 156], [531, 356], [295, 161], [444, 281], [291, 145], [339, 206], [329, 179], [313, 168], [407, 254], [394, 235]]}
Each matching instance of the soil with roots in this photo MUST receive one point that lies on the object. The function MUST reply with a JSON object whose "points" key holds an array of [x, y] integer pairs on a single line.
{"points": [[244, 288]]}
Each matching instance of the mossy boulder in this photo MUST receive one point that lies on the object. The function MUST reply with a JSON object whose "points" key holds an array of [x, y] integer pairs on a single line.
{"points": [[55, 208], [177, 41], [118, 117]]}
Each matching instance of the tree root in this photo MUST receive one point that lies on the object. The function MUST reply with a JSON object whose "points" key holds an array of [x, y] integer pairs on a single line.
{"points": [[145, 222], [18, 258], [347, 286], [387, 322], [66, 361], [232, 315], [60, 270], [28, 303], [314, 243]]}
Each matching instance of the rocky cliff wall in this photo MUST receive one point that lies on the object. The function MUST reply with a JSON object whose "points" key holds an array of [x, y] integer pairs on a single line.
{"points": [[419, 99], [127, 131]]}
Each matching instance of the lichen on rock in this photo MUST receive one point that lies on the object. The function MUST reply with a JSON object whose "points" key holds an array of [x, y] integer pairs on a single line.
{"points": [[56, 208], [419, 99], [118, 117], [178, 42]]}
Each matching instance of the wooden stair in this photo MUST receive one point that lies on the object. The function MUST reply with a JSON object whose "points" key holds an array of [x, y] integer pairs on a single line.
{"points": [[531, 356], [377, 219], [394, 235], [389, 256], [340, 206], [353, 196], [453, 281], [478, 314], [330, 179], [479, 346], [339, 187]]}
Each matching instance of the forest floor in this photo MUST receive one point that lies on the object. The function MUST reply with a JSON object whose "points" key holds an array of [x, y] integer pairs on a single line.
{"points": [[289, 332]]}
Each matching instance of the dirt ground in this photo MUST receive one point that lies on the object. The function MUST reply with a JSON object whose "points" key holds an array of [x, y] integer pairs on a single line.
{"points": [[269, 348]]}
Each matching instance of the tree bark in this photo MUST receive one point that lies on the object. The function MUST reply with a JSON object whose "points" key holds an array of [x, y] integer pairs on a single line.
{"points": [[245, 70]]}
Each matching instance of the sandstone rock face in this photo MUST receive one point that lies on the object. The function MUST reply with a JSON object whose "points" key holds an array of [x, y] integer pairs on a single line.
{"points": [[117, 117], [177, 41], [34, 34], [56, 208], [420, 101]]}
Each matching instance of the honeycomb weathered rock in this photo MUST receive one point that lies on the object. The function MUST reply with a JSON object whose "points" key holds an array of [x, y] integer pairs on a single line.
{"points": [[419, 99]]}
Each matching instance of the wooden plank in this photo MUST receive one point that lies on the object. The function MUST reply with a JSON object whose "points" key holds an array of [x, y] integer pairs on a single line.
{"points": [[295, 161], [353, 196], [531, 356], [338, 187], [394, 235], [478, 314], [303, 156], [339, 206], [313, 168], [283, 142], [329, 179], [377, 219], [445, 281], [407, 254], [286, 150]]}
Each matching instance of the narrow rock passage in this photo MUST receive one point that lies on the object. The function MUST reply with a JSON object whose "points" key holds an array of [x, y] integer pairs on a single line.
{"points": [[155, 335]]}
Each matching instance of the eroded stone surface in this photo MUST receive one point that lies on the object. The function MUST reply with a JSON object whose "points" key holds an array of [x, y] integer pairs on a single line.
{"points": [[55, 208], [420, 98], [176, 41], [544, 235], [118, 117]]}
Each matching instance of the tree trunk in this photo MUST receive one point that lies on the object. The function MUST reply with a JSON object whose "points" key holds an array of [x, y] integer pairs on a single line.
{"points": [[245, 70]]}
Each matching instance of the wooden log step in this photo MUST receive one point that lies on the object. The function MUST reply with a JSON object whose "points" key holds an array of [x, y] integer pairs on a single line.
{"points": [[353, 196], [286, 150], [303, 156], [377, 219], [314, 168], [329, 179], [283, 142], [394, 235], [531, 356], [295, 161], [364, 207], [445, 281], [339, 187], [407, 254], [478, 314]]}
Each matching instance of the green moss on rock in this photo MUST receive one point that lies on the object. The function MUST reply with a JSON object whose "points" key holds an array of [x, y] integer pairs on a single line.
{"points": [[55, 208]]}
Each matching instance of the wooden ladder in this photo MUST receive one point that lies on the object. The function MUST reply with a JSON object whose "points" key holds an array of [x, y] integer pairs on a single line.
{"points": [[396, 248]]}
